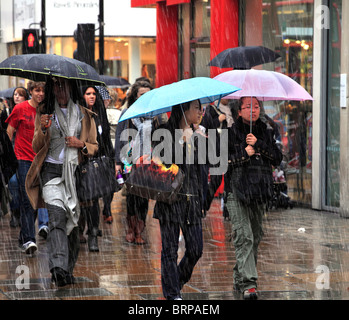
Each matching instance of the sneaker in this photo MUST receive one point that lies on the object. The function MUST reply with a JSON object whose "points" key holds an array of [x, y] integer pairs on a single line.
{"points": [[250, 294], [29, 247], [43, 232]]}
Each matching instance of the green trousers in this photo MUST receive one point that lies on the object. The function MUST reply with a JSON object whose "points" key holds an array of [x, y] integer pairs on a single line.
{"points": [[247, 234]]}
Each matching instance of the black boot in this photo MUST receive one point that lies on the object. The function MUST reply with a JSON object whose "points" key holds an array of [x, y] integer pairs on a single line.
{"points": [[59, 277], [93, 241]]}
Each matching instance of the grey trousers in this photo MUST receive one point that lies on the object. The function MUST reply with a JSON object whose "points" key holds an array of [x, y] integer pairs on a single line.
{"points": [[247, 233], [63, 249]]}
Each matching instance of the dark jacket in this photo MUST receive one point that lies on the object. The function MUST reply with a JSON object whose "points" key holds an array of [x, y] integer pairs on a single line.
{"points": [[251, 177], [105, 146], [8, 160], [188, 208]]}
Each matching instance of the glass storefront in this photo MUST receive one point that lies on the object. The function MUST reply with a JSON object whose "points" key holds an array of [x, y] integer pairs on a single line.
{"points": [[194, 38], [287, 28], [333, 106], [116, 53]]}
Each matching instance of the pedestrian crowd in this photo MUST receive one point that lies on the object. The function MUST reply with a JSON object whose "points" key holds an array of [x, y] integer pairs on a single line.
{"points": [[52, 127]]}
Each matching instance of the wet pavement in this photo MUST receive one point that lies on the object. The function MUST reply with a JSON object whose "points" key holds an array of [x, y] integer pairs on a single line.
{"points": [[304, 255]]}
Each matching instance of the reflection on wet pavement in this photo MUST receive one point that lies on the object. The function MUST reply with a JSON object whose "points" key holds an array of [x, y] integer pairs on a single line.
{"points": [[292, 265]]}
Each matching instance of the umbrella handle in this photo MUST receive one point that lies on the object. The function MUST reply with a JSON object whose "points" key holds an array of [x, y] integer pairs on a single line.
{"points": [[251, 117]]}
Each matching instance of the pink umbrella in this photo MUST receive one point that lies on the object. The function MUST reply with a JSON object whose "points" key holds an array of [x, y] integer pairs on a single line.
{"points": [[264, 85]]}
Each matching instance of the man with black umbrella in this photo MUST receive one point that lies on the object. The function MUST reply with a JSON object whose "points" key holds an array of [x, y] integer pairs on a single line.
{"points": [[61, 139]]}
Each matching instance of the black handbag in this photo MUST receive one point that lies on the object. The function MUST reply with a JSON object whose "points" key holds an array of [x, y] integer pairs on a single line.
{"points": [[95, 178], [253, 184], [155, 181]]}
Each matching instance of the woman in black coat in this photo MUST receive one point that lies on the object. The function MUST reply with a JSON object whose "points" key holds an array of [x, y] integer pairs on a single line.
{"points": [[252, 153], [186, 213], [93, 101], [8, 167]]}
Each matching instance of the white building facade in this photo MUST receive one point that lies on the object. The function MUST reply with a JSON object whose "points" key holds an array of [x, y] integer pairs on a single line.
{"points": [[129, 33]]}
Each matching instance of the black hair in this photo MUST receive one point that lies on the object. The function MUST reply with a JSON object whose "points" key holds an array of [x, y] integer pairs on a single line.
{"points": [[99, 99], [177, 114], [239, 103], [49, 100]]}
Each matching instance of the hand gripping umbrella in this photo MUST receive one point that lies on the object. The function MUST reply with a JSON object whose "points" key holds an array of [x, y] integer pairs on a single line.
{"points": [[161, 100], [243, 57], [39, 67], [264, 85]]}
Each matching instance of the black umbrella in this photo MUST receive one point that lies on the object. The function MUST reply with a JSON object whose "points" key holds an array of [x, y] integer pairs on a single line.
{"points": [[39, 67], [243, 57], [7, 93], [114, 82]]}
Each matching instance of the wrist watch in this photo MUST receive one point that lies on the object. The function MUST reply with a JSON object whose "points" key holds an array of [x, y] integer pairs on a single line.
{"points": [[84, 149]]}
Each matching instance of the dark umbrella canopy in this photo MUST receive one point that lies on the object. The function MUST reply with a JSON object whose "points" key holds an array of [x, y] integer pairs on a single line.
{"points": [[39, 67], [243, 57], [7, 93], [114, 82]]}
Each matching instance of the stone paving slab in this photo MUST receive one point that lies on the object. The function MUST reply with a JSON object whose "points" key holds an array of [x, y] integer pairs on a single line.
{"points": [[289, 266]]}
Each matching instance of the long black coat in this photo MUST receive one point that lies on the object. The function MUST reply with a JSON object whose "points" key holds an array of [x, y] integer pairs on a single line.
{"points": [[252, 175], [8, 160], [188, 209]]}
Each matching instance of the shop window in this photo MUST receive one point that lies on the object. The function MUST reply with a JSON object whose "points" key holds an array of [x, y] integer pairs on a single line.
{"points": [[200, 38], [287, 28]]}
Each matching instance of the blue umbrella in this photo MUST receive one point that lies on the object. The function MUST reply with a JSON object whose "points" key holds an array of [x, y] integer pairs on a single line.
{"points": [[161, 100]]}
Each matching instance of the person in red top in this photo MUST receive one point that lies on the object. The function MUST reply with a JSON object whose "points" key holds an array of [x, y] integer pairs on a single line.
{"points": [[21, 121]]}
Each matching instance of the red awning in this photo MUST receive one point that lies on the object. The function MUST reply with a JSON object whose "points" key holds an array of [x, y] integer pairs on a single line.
{"points": [[145, 3], [172, 2], [142, 3]]}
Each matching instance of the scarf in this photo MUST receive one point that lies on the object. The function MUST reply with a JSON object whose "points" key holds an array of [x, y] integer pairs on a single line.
{"points": [[227, 111], [61, 191], [142, 144]]}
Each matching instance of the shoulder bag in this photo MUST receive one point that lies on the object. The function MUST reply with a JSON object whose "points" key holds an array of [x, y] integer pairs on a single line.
{"points": [[155, 181], [95, 178]]}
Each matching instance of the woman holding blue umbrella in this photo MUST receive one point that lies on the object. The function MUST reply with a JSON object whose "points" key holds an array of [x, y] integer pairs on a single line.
{"points": [[184, 99], [186, 213]]}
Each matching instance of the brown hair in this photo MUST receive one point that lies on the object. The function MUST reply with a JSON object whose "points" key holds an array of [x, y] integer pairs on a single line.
{"points": [[114, 96], [32, 85], [22, 92]]}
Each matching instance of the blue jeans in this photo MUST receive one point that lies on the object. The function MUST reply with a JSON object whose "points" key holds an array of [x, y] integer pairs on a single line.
{"points": [[16, 202], [28, 214], [42, 218], [14, 190]]}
